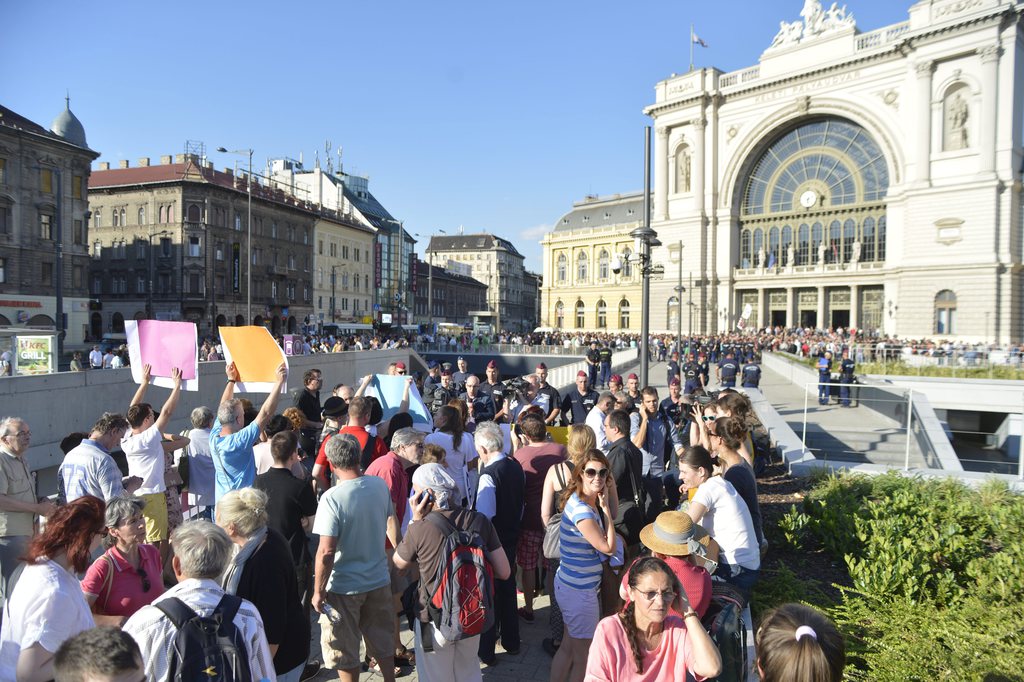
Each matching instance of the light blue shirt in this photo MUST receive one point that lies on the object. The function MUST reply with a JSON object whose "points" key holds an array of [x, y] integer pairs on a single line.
{"points": [[233, 459], [356, 513]]}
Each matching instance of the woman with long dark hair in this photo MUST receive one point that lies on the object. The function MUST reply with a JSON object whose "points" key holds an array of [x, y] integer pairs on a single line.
{"points": [[460, 450], [657, 637], [47, 605], [587, 538]]}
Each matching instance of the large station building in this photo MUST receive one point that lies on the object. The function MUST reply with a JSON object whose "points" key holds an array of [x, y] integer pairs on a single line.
{"points": [[864, 179]]}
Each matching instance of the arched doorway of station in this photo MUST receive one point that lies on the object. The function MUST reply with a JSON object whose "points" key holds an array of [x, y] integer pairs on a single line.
{"points": [[139, 315], [292, 323], [240, 320], [117, 323], [221, 321], [95, 326], [257, 321], [40, 321], [275, 325]]}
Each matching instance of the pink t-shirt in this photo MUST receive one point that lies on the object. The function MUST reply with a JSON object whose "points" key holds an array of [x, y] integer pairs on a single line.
{"points": [[125, 595], [611, 659]]}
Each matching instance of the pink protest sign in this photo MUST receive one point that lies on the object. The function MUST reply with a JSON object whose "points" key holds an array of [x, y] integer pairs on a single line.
{"points": [[166, 345], [163, 346]]}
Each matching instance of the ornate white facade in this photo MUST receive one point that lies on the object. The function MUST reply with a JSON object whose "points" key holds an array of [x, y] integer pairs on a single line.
{"points": [[868, 180]]}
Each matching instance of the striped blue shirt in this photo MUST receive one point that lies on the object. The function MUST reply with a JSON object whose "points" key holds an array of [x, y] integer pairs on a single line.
{"points": [[580, 566]]}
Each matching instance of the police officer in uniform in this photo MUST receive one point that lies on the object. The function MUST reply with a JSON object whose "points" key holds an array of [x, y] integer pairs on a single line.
{"points": [[606, 364], [824, 378], [727, 370], [673, 368], [459, 377], [846, 370], [593, 360], [705, 367], [752, 373], [493, 387], [692, 375], [442, 393], [578, 402]]}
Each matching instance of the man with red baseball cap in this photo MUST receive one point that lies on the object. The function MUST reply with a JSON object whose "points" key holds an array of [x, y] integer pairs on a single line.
{"points": [[493, 387]]}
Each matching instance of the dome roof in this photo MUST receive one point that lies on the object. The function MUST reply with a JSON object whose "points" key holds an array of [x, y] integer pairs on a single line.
{"points": [[67, 126]]}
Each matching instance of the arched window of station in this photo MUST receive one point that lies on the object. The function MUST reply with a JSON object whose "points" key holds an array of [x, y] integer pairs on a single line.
{"points": [[581, 267], [581, 315], [560, 315], [624, 314], [602, 314], [672, 313], [563, 268], [627, 267], [826, 180], [602, 266], [945, 312]]}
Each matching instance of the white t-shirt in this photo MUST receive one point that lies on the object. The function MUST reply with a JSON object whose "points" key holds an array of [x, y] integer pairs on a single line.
{"points": [[456, 458], [47, 608], [145, 453], [728, 521]]}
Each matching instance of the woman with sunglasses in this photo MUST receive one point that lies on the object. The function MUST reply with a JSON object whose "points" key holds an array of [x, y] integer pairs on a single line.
{"points": [[587, 536], [128, 575], [700, 417], [47, 606], [657, 637]]}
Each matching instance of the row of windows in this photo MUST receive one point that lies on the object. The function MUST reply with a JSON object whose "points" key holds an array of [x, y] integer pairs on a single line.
{"points": [[358, 255], [601, 310], [47, 225], [46, 274], [863, 241], [359, 305], [583, 266], [342, 279], [119, 216]]}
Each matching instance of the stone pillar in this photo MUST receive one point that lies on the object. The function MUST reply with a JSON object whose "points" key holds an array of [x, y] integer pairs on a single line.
{"points": [[989, 115], [697, 166], [821, 308], [854, 306], [662, 174], [790, 305], [762, 305], [923, 121]]}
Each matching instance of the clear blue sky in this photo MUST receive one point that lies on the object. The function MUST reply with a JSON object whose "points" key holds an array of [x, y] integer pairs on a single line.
{"points": [[495, 116]]}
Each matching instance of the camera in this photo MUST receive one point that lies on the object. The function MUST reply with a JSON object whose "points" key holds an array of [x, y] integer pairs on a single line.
{"points": [[518, 384], [616, 264]]}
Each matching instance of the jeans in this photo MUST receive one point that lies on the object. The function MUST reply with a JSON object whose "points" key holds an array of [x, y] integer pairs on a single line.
{"points": [[823, 390], [742, 578], [606, 373]]}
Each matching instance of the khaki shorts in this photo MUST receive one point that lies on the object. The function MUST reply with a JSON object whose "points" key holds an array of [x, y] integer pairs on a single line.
{"points": [[369, 616], [155, 513]]}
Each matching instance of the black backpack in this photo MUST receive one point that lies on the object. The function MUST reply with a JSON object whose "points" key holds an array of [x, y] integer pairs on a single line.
{"points": [[724, 623], [212, 648]]}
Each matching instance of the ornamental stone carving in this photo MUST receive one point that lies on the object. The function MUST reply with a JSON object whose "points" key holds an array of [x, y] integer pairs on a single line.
{"points": [[816, 22]]}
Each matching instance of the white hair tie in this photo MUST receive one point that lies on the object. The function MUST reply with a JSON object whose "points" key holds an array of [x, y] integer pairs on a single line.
{"points": [[805, 630]]}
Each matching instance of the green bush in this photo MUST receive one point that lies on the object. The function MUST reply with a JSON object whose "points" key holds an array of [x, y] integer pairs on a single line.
{"points": [[937, 571]]}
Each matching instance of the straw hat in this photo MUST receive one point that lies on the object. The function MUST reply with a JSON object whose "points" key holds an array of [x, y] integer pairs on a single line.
{"points": [[674, 533]]}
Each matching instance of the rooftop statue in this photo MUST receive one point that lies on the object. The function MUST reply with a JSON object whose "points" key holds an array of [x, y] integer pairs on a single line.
{"points": [[816, 22]]}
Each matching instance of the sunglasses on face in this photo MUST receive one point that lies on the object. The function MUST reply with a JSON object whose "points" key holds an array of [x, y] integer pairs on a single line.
{"points": [[708, 417], [592, 473], [666, 596]]}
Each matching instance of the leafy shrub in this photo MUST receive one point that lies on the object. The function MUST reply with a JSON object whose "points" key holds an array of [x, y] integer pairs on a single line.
{"points": [[793, 527]]}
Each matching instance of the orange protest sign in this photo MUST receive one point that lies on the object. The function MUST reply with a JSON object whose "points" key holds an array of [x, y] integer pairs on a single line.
{"points": [[254, 352]]}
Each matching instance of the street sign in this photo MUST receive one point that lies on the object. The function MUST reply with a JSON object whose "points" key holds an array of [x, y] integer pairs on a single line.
{"points": [[376, 307]]}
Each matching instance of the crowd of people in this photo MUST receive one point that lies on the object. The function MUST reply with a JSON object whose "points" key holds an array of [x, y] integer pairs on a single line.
{"points": [[640, 527]]}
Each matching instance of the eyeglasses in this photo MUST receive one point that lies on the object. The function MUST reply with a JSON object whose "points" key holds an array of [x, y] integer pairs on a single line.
{"points": [[145, 579], [709, 417], [19, 434], [591, 473], [666, 596]]}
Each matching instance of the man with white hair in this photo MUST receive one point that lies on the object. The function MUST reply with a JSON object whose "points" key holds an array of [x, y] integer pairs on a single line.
{"points": [[201, 553], [435, 493], [500, 499]]}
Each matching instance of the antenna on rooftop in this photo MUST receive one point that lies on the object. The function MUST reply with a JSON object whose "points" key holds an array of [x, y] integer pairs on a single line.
{"points": [[327, 157]]}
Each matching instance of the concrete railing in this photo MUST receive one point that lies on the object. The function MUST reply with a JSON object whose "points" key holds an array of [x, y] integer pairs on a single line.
{"points": [[55, 405]]}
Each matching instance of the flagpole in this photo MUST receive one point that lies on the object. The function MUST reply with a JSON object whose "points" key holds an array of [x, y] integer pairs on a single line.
{"points": [[691, 47]]}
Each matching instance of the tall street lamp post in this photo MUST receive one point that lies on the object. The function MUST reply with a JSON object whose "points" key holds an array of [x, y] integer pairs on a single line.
{"points": [[645, 238], [679, 305], [248, 220]]}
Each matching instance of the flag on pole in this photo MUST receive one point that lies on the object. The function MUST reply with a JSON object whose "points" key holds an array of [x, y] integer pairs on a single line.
{"points": [[694, 38], [771, 260]]}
